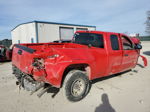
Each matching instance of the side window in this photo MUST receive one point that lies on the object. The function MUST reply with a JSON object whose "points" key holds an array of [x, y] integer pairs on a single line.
{"points": [[96, 40], [81, 29], [127, 44], [114, 42]]}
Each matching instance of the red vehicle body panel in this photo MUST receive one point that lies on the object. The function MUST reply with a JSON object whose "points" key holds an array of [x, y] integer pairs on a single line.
{"points": [[58, 57], [135, 40], [6, 55]]}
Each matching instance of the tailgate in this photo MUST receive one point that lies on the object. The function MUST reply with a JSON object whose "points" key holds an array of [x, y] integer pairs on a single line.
{"points": [[22, 57]]}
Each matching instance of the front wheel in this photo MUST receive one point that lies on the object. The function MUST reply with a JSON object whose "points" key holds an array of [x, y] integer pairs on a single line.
{"points": [[76, 85]]}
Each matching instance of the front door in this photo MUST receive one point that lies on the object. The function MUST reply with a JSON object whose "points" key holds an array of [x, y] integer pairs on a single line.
{"points": [[130, 55]]}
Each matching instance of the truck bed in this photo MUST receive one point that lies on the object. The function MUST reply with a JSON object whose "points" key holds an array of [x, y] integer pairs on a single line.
{"points": [[21, 51]]}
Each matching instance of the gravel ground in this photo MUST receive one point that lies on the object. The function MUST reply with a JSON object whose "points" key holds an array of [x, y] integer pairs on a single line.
{"points": [[127, 92]]}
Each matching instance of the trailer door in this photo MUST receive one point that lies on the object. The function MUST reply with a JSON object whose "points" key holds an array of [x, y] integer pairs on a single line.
{"points": [[66, 33]]}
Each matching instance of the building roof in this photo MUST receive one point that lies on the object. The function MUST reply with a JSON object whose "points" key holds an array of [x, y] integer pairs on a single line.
{"points": [[53, 23]]}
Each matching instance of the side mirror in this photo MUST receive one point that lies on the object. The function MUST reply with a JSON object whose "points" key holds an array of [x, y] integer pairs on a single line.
{"points": [[138, 46]]}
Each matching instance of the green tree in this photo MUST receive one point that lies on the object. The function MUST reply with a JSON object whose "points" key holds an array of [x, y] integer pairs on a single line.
{"points": [[148, 23]]}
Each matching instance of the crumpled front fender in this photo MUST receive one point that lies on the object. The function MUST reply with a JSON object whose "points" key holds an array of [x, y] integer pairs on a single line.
{"points": [[144, 60]]}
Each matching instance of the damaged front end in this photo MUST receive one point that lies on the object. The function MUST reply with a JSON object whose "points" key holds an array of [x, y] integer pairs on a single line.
{"points": [[144, 60]]}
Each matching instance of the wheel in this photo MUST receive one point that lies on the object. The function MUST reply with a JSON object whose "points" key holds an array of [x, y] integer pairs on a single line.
{"points": [[76, 85]]}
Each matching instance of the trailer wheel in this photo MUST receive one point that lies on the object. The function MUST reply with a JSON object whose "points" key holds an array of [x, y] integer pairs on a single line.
{"points": [[76, 85]]}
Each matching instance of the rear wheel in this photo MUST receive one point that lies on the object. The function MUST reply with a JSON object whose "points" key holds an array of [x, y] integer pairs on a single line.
{"points": [[76, 85]]}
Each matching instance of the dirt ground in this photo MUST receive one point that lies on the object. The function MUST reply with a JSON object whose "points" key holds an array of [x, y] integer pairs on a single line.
{"points": [[127, 92]]}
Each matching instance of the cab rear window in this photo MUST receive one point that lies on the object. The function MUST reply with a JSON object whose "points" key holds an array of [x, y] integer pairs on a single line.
{"points": [[114, 42], [95, 40]]}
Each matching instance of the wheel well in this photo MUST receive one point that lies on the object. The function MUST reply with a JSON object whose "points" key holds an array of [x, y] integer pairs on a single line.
{"points": [[82, 67]]}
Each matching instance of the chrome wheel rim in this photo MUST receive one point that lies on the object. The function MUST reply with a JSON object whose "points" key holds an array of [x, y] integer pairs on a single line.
{"points": [[78, 87]]}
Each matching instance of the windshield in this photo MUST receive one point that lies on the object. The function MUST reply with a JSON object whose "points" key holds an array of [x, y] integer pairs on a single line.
{"points": [[95, 40]]}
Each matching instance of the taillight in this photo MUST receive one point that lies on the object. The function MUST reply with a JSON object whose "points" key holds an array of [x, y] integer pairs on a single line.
{"points": [[38, 63]]}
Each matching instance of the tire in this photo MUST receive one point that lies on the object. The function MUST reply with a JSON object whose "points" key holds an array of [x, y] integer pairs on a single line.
{"points": [[76, 85]]}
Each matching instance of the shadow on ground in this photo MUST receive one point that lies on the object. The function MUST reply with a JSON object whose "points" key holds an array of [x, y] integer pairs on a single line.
{"points": [[2, 62], [53, 90], [105, 106], [140, 65], [146, 53], [108, 77]]}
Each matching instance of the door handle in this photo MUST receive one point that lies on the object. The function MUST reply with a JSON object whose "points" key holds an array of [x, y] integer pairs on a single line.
{"points": [[126, 55]]}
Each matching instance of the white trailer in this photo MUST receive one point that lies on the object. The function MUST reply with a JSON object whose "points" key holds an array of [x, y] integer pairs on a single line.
{"points": [[41, 32]]}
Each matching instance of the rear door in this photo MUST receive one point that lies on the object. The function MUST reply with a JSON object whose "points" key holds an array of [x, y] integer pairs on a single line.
{"points": [[130, 55], [115, 53]]}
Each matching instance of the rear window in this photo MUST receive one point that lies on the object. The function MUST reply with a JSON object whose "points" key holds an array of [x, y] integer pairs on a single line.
{"points": [[114, 42], [95, 40]]}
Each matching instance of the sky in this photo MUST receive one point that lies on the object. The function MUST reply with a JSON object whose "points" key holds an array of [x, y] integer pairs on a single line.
{"points": [[123, 16]]}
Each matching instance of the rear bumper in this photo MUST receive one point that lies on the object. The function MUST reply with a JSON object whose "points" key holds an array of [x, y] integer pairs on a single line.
{"points": [[17, 72], [37, 74]]}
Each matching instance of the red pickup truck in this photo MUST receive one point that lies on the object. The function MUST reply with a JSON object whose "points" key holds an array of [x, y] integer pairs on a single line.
{"points": [[90, 55], [5, 54]]}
